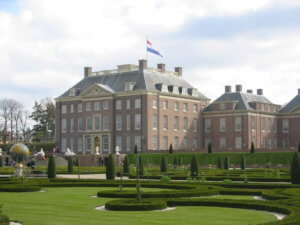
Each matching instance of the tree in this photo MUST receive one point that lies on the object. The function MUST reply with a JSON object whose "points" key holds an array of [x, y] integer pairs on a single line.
{"points": [[243, 162], [171, 149], [209, 149], [126, 166], [110, 168], [175, 162], [163, 164], [194, 166], [70, 165], [51, 167], [179, 161], [226, 163], [252, 149], [135, 149], [24, 124], [220, 164], [141, 166], [4, 105], [295, 168]]}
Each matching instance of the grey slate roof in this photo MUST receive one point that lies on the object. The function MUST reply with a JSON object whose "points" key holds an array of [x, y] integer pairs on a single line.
{"points": [[242, 100], [294, 103], [144, 81]]}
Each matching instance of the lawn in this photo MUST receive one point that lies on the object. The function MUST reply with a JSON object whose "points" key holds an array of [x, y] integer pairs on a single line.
{"points": [[74, 206]]}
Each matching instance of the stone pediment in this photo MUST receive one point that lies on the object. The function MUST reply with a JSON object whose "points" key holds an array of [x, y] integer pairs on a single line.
{"points": [[97, 89]]}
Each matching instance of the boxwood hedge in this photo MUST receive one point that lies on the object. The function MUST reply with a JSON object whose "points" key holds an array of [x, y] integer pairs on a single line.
{"points": [[133, 205]]}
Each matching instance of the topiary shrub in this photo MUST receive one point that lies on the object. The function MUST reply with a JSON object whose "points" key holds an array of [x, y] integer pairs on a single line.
{"points": [[252, 149], [51, 170], [141, 166], [171, 149], [126, 166], [175, 162], [226, 163], [194, 166], [163, 164], [295, 168], [243, 162], [133, 205], [70, 165], [209, 149], [110, 168], [135, 149], [268, 164], [1, 161], [179, 161], [220, 164]]}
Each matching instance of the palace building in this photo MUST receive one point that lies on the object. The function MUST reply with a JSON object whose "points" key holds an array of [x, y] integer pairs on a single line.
{"points": [[153, 108]]}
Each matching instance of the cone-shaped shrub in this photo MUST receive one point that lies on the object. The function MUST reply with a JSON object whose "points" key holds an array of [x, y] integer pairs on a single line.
{"points": [[51, 170], [135, 149], [268, 164], [1, 161], [295, 168], [175, 162], [220, 164], [194, 166], [209, 149], [70, 165], [179, 161], [126, 167], [243, 162], [226, 163], [110, 168], [171, 149], [252, 149], [141, 166], [163, 164]]}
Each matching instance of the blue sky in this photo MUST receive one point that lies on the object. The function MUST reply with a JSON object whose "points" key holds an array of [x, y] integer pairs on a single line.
{"points": [[44, 44]]}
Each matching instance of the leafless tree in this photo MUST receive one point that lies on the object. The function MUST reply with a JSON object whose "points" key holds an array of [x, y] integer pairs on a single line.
{"points": [[4, 113], [24, 123]]}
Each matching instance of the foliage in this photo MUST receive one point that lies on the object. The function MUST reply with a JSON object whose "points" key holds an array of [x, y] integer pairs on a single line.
{"points": [[171, 149], [220, 164], [194, 166], [163, 164], [243, 162], [180, 161], [126, 166], [132, 205], [226, 163], [252, 149], [295, 168], [165, 179], [4, 220], [70, 165], [175, 162], [209, 149], [51, 171], [1, 162], [141, 166], [135, 149], [33, 147], [19, 188], [110, 168]]}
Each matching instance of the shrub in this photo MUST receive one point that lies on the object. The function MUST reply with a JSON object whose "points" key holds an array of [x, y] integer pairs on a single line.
{"points": [[226, 163], [268, 164], [51, 170], [243, 163], [252, 149], [133, 205], [163, 164], [194, 166], [171, 149], [295, 168], [175, 162], [126, 166], [19, 188], [165, 179], [135, 149], [141, 166], [179, 161], [70, 165], [1, 161], [110, 168], [219, 165], [209, 149]]}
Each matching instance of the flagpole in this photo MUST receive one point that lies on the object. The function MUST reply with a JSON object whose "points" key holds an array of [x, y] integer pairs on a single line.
{"points": [[146, 48]]}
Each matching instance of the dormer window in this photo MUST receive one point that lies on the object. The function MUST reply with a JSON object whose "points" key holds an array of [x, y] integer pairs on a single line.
{"points": [[129, 86], [74, 92], [184, 91], [222, 106]]}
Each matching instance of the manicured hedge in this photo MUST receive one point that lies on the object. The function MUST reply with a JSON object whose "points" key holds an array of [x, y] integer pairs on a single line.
{"points": [[133, 205], [19, 188]]}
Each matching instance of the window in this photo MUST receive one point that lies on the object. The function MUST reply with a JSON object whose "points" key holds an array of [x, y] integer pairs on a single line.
{"points": [[262, 107], [80, 107], [128, 122], [154, 103], [285, 125], [79, 124], [207, 124], [128, 143], [222, 142], [88, 143], [165, 122], [72, 108], [88, 123], [176, 106], [105, 122], [195, 108], [238, 142], [154, 142], [185, 143], [105, 143], [137, 103], [128, 104], [118, 122], [119, 104], [185, 123], [154, 121], [63, 144], [195, 127], [119, 142], [195, 143], [206, 142], [253, 122], [176, 123], [137, 121], [165, 104], [97, 106], [185, 107], [176, 143], [71, 144], [64, 109], [105, 105], [165, 143], [137, 142], [72, 125], [269, 143], [79, 147], [222, 106], [88, 106], [269, 125], [222, 124], [275, 126], [275, 143], [263, 124], [238, 123], [64, 125], [97, 124]]}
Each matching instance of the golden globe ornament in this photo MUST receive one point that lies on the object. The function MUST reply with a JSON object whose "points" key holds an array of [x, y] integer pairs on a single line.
{"points": [[19, 153]]}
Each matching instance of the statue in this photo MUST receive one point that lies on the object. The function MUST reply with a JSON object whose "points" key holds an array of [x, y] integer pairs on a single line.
{"points": [[69, 152], [40, 154], [97, 152], [0, 151]]}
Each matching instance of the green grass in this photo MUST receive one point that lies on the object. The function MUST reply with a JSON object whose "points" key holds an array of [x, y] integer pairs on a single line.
{"points": [[238, 197], [74, 206]]}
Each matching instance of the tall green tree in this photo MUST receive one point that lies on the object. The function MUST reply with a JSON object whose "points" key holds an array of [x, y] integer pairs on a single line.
{"points": [[226, 163], [141, 166], [175, 162], [110, 168], [243, 162], [135, 149], [179, 161], [163, 164], [70, 165], [220, 164], [295, 168], [252, 149], [51, 170], [126, 166], [194, 166], [209, 149]]}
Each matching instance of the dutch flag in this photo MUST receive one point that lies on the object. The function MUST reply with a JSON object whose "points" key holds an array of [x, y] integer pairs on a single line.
{"points": [[151, 49]]}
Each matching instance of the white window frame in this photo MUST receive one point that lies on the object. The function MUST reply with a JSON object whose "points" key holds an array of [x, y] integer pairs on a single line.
{"points": [[88, 123], [137, 121], [80, 124], [64, 125], [118, 104], [105, 122], [79, 109], [222, 124], [155, 142], [119, 122], [137, 103], [154, 103], [128, 104], [238, 123], [105, 105], [154, 122], [128, 122], [285, 126], [88, 106], [238, 142], [207, 124], [64, 109], [97, 124]]}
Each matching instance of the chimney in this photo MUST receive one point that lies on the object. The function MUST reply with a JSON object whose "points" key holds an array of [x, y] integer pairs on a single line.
{"points": [[179, 71], [250, 91], [227, 88], [238, 88], [162, 67], [142, 64], [87, 71], [298, 91], [260, 92]]}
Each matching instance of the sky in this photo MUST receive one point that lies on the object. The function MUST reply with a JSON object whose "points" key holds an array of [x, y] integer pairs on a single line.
{"points": [[45, 44]]}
